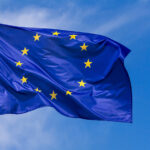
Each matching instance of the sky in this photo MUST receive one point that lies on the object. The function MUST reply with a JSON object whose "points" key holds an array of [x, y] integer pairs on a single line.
{"points": [[126, 21]]}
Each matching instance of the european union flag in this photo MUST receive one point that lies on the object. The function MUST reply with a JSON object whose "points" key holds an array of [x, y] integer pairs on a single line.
{"points": [[81, 75]]}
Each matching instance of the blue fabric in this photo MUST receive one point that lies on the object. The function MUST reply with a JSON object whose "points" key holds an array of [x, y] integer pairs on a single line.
{"points": [[56, 63]]}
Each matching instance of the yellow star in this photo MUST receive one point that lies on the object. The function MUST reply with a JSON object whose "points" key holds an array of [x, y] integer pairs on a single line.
{"points": [[36, 37], [68, 93], [72, 36], [82, 83], [84, 47], [24, 80], [53, 95], [37, 90], [56, 33], [19, 63], [25, 51], [88, 64]]}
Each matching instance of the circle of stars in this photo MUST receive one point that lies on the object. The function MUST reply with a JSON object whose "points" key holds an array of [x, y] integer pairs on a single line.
{"points": [[53, 94]]}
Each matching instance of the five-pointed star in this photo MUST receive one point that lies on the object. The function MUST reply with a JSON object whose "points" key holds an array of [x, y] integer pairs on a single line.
{"points": [[53, 95], [19, 63], [37, 90], [56, 33], [82, 83], [68, 93], [36, 37], [72, 36], [25, 51], [88, 64], [24, 80], [84, 47]]}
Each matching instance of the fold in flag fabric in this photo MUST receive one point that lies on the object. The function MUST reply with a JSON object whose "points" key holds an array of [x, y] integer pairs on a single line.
{"points": [[81, 75]]}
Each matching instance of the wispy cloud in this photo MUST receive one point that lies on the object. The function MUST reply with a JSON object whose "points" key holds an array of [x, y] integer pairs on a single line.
{"points": [[126, 16], [44, 17], [18, 130], [39, 129], [32, 16]]}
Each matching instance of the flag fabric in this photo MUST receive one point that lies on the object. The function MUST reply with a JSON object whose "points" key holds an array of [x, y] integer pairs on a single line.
{"points": [[81, 75]]}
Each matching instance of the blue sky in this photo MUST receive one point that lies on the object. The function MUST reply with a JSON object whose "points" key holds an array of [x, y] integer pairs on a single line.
{"points": [[126, 21]]}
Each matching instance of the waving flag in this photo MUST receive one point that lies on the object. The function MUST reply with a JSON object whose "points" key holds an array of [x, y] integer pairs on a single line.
{"points": [[81, 75]]}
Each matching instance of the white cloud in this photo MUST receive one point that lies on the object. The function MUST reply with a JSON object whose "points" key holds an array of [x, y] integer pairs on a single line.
{"points": [[39, 129], [35, 17], [44, 17], [25, 131], [124, 17]]}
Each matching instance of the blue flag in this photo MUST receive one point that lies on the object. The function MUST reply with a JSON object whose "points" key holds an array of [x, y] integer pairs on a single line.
{"points": [[81, 75]]}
